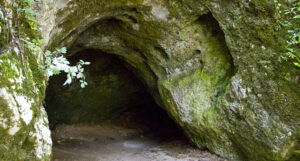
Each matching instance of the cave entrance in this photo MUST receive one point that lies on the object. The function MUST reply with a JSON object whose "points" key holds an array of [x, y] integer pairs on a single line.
{"points": [[114, 117]]}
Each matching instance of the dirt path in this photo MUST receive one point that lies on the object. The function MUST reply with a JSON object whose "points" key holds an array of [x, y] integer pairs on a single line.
{"points": [[113, 143]]}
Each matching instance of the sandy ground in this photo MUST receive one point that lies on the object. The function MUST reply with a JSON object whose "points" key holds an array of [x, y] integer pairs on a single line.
{"points": [[117, 143]]}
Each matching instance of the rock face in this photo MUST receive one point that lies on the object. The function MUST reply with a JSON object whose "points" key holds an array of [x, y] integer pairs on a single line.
{"points": [[213, 65], [24, 131]]}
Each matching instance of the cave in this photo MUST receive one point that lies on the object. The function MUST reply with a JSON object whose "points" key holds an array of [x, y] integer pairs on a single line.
{"points": [[161, 71], [134, 84], [140, 93], [115, 115]]}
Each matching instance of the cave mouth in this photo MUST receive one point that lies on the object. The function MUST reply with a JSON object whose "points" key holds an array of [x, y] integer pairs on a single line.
{"points": [[114, 113]]}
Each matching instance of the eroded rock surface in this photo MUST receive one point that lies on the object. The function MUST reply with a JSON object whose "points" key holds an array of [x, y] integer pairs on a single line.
{"points": [[213, 65], [24, 131]]}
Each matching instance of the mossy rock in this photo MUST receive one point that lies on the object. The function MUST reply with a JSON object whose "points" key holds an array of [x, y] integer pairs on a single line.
{"points": [[212, 64]]}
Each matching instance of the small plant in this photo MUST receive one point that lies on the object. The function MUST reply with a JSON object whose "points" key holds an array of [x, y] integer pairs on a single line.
{"points": [[293, 48], [56, 63], [25, 10]]}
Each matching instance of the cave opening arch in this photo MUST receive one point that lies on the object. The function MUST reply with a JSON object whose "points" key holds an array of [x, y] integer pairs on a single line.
{"points": [[113, 88], [186, 68], [115, 108]]}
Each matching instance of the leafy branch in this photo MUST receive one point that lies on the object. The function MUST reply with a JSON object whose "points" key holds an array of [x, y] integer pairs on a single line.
{"points": [[28, 13], [56, 63], [293, 48]]}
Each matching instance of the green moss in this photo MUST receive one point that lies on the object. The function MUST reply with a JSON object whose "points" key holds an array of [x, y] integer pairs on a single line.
{"points": [[20, 74], [14, 148], [4, 111], [38, 73], [10, 68]]}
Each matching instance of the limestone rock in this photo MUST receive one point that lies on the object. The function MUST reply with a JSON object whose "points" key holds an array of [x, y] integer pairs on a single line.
{"points": [[24, 131], [212, 64]]}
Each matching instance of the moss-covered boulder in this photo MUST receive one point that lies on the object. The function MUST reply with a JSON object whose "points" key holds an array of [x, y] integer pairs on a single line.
{"points": [[24, 131]]}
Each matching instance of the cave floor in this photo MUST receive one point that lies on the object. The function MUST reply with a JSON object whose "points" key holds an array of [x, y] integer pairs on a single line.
{"points": [[109, 142]]}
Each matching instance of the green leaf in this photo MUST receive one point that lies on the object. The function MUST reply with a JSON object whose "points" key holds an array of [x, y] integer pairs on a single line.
{"points": [[62, 50], [56, 64], [297, 16], [38, 41], [29, 2], [83, 83], [297, 64], [48, 53], [87, 63]]}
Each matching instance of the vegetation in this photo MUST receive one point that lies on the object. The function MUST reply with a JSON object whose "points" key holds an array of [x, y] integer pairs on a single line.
{"points": [[292, 22], [54, 62], [294, 42]]}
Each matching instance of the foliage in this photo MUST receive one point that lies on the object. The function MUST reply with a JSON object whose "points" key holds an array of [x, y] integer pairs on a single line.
{"points": [[293, 23], [25, 10], [54, 62], [294, 42]]}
